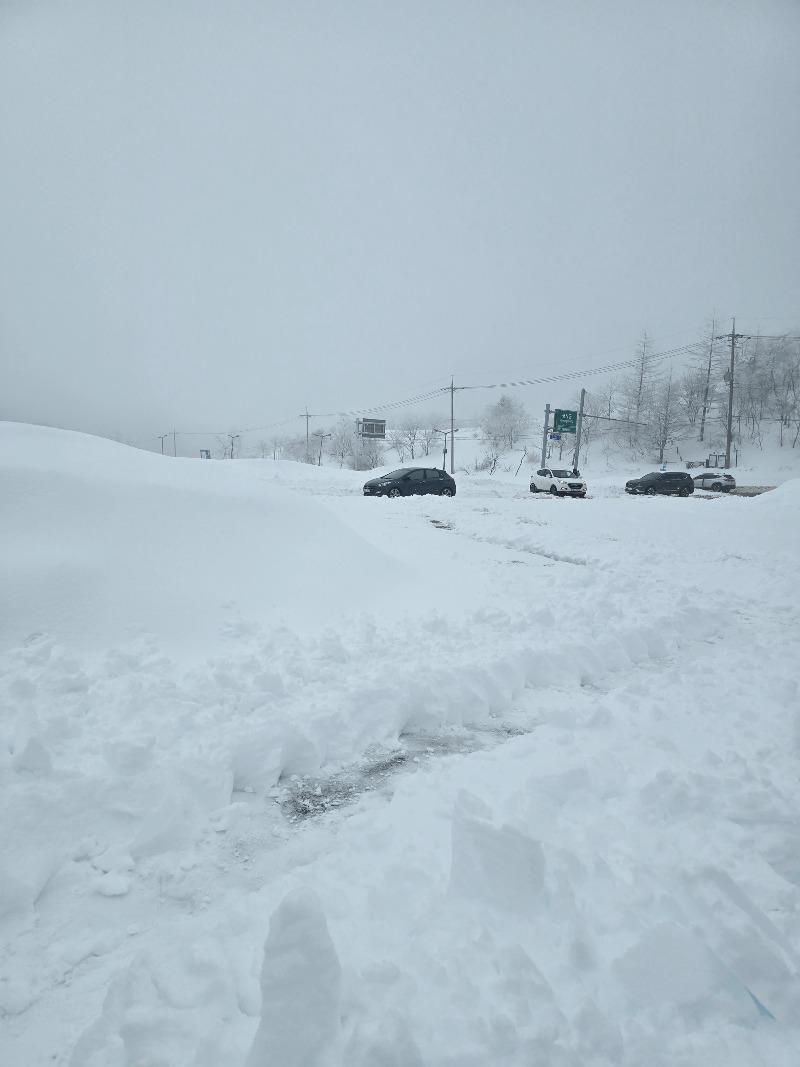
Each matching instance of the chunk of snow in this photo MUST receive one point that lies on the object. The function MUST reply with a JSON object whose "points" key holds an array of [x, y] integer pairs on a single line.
{"points": [[300, 987], [501, 867]]}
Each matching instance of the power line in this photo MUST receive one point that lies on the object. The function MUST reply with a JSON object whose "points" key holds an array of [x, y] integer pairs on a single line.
{"points": [[389, 405], [617, 348], [606, 369], [394, 405]]}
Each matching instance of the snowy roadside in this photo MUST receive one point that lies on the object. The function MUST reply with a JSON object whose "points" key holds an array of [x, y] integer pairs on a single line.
{"points": [[614, 882]]}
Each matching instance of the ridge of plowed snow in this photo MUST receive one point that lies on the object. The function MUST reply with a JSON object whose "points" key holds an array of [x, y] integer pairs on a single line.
{"points": [[102, 543]]}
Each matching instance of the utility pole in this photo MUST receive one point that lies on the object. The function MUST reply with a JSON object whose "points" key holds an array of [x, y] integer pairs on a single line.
{"points": [[708, 380], [544, 435], [452, 428], [578, 431], [174, 444], [233, 437], [161, 437], [308, 454], [734, 337], [729, 433]]}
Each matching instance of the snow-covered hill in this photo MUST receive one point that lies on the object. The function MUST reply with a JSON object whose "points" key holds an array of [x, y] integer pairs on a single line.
{"points": [[293, 776]]}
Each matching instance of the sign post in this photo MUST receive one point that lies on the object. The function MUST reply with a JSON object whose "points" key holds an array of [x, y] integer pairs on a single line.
{"points": [[544, 435], [580, 427]]}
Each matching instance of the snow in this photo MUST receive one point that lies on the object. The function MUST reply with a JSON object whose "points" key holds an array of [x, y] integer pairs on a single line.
{"points": [[300, 986], [290, 775]]}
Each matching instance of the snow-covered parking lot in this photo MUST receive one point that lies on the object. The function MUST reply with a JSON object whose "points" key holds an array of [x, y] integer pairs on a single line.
{"points": [[290, 776]]}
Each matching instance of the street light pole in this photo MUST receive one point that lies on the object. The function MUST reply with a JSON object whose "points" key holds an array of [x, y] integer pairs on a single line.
{"points": [[321, 436], [452, 431]]}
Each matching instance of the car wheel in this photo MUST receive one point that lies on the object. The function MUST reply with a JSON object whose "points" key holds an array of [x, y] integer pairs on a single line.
{"points": [[650, 492], [553, 490], [717, 487], [393, 492], [534, 488], [447, 491], [683, 492]]}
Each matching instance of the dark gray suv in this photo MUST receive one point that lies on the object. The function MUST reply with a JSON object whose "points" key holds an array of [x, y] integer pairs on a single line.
{"points": [[666, 483], [411, 481]]}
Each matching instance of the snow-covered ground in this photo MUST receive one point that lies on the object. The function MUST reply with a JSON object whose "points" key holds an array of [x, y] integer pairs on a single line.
{"points": [[290, 776]]}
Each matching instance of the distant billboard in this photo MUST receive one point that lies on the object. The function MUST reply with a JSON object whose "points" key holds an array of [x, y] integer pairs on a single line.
{"points": [[374, 429]]}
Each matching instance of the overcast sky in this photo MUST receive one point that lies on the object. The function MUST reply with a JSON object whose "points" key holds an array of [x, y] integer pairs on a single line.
{"points": [[215, 213]]}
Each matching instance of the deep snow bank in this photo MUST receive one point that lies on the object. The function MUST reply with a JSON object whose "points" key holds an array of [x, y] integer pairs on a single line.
{"points": [[101, 543], [613, 881], [785, 497]]}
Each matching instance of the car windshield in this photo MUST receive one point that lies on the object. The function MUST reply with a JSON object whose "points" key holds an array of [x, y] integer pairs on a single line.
{"points": [[565, 474]]}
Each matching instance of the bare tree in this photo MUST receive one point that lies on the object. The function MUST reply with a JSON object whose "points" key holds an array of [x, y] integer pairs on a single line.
{"points": [[396, 440], [664, 417], [488, 461], [342, 441], [692, 394], [295, 448], [505, 422], [368, 454], [428, 432], [783, 366], [637, 393], [411, 429]]}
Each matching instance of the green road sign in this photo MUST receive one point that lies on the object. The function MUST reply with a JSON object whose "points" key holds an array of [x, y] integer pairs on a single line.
{"points": [[565, 421]]}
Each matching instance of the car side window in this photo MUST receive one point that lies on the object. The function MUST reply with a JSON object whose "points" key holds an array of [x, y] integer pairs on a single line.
{"points": [[416, 476], [548, 474], [434, 475]]}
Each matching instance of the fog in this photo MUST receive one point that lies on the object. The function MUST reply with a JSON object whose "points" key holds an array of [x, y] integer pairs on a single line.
{"points": [[215, 214]]}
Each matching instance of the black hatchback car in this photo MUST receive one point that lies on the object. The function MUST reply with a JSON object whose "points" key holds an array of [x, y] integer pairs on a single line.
{"points": [[667, 483], [411, 481]]}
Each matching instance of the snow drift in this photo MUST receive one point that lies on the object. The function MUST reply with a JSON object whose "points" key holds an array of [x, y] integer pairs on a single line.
{"points": [[102, 543]]}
